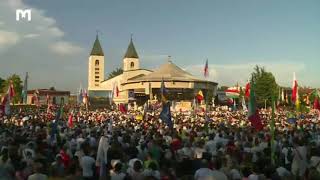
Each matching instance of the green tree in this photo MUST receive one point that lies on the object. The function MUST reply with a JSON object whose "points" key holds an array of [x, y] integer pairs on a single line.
{"points": [[17, 85], [2, 83], [115, 73], [265, 86]]}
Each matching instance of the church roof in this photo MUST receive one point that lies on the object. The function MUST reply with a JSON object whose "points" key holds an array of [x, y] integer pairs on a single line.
{"points": [[168, 72], [96, 49], [131, 51]]}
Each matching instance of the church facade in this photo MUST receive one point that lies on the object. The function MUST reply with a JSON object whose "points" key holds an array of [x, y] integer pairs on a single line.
{"points": [[139, 85]]}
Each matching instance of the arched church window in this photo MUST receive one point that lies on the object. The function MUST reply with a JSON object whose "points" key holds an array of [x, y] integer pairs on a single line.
{"points": [[132, 64], [97, 63]]}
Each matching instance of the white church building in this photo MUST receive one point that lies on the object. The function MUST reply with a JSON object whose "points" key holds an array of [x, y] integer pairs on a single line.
{"points": [[137, 84]]}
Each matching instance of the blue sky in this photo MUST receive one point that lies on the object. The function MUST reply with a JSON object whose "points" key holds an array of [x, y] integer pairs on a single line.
{"points": [[234, 35]]}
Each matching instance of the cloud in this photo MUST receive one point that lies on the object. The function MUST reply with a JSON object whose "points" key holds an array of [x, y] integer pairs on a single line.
{"points": [[8, 38], [231, 74], [31, 35], [55, 32], [65, 48], [26, 46]]}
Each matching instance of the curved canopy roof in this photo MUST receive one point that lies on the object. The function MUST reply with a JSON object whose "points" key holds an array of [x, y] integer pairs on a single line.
{"points": [[168, 72]]}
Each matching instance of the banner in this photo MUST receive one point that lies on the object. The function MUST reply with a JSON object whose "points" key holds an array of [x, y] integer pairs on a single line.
{"points": [[183, 106]]}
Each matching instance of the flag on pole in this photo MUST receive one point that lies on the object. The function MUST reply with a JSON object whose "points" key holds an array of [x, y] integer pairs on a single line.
{"points": [[7, 99], [279, 97], [11, 91], [80, 95], [206, 69], [316, 104], [165, 115], [234, 105], [25, 89], [70, 120], [123, 108], [233, 92], [282, 95], [59, 113], [117, 91], [297, 103], [253, 113], [294, 96], [295, 92], [6, 105], [36, 97], [163, 91], [85, 97], [247, 92], [244, 106]]}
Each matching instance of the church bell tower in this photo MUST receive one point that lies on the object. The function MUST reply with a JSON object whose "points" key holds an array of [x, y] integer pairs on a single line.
{"points": [[131, 58], [96, 66]]}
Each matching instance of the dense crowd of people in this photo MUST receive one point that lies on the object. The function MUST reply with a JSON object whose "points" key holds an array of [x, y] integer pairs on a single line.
{"points": [[104, 144]]}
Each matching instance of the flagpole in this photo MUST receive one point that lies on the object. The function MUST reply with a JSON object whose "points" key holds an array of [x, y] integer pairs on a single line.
{"points": [[272, 129], [206, 69]]}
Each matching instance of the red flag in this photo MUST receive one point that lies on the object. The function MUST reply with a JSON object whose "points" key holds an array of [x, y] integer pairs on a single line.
{"points": [[247, 92], [6, 105], [117, 91], [294, 89], [256, 121], [11, 90], [122, 108], [253, 113], [70, 121], [316, 104]]}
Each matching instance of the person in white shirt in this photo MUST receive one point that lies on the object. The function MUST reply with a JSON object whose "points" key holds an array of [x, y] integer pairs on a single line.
{"points": [[87, 163], [199, 150], [211, 145]]}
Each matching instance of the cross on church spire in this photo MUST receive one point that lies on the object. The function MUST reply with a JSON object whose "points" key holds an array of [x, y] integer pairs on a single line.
{"points": [[97, 31], [131, 51], [96, 49]]}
